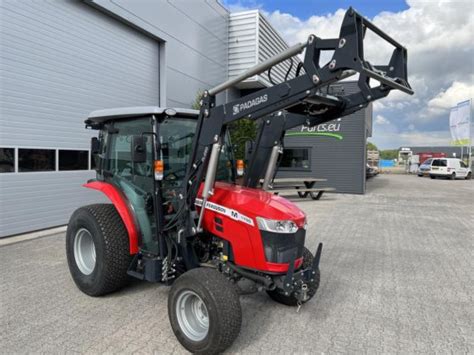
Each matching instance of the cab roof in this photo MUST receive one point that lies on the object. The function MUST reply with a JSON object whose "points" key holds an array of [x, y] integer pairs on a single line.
{"points": [[101, 116]]}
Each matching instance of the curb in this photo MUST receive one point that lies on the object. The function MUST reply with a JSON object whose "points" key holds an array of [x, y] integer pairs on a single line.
{"points": [[30, 236]]}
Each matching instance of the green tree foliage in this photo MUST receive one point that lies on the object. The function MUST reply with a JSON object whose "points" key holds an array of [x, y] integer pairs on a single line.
{"points": [[197, 100], [240, 131], [389, 154], [371, 146]]}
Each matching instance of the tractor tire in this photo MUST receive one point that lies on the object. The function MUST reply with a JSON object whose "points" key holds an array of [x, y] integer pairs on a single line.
{"points": [[98, 249], [204, 311], [291, 300], [469, 176]]}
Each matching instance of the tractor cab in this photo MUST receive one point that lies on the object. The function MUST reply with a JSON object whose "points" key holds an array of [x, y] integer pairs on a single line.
{"points": [[141, 149]]}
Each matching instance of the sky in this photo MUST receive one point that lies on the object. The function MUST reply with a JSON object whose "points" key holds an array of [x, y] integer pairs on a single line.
{"points": [[439, 37]]}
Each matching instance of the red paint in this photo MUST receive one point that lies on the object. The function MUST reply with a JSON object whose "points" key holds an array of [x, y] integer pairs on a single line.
{"points": [[118, 201], [246, 241]]}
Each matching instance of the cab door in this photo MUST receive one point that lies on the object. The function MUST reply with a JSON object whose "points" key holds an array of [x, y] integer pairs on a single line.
{"points": [[134, 179]]}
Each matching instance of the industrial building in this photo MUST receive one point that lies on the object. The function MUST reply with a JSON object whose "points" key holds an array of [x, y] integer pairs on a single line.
{"points": [[60, 60], [335, 151]]}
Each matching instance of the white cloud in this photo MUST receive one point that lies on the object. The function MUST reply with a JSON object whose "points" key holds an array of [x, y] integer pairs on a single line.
{"points": [[456, 93], [387, 139], [381, 120], [438, 36]]}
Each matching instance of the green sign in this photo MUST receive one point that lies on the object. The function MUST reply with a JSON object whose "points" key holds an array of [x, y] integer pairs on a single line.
{"points": [[311, 134]]}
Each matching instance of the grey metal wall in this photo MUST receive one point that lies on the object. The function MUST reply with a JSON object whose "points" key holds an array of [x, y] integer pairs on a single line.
{"points": [[194, 33], [59, 61], [342, 162], [253, 40]]}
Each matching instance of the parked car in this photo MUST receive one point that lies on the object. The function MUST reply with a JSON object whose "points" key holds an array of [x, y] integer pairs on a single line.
{"points": [[452, 168], [370, 171], [425, 167]]}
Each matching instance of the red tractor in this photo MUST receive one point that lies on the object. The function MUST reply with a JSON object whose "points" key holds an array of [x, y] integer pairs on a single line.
{"points": [[177, 216]]}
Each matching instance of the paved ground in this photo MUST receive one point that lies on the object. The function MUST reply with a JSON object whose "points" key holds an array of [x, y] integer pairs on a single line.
{"points": [[397, 277]]}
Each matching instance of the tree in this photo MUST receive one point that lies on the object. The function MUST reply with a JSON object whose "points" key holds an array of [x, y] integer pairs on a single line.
{"points": [[197, 100], [371, 146], [240, 131], [389, 154]]}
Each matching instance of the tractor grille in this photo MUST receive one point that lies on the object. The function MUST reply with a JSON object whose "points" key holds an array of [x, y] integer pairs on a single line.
{"points": [[280, 248]]}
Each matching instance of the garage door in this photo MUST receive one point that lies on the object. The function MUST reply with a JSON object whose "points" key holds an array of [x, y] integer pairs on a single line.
{"points": [[60, 60]]}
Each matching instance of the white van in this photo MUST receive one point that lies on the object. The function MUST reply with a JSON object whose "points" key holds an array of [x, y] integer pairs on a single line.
{"points": [[452, 168]]}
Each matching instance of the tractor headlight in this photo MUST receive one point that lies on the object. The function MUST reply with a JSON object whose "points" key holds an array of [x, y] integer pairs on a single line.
{"points": [[275, 226]]}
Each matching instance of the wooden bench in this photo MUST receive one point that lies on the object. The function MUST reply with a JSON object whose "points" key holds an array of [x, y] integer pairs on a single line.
{"points": [[314, 193], [304, 186]]}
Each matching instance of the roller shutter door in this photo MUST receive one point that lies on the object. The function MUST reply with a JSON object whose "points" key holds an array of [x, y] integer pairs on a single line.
{"points": [[60, 60]]}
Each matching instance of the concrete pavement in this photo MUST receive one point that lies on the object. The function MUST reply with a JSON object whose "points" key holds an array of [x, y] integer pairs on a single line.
{"points": [[397, 277]]}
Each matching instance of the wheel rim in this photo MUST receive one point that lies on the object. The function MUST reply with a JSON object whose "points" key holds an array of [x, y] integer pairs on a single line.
{"points": [[192, 314], [84, 251]]}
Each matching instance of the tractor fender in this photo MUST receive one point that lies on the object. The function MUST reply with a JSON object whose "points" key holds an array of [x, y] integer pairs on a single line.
{"points": [[121, 205]]}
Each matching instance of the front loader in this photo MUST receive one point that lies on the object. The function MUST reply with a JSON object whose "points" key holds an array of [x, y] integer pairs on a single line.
{"points": [[177, 216]]}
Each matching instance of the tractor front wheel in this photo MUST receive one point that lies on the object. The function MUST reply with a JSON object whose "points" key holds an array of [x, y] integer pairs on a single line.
{"points": [[97, 249], [291, 300], [204, 311]]}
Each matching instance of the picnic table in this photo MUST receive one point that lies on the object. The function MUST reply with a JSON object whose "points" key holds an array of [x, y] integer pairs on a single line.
{"points": [[304, 186]]}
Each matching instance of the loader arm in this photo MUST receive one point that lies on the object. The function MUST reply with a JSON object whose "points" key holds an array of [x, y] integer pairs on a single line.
{"points": [[271, 131], [300, 97]]}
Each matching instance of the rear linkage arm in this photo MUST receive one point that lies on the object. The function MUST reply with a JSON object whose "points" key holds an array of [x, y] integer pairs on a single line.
{"points": [[300, 95]]}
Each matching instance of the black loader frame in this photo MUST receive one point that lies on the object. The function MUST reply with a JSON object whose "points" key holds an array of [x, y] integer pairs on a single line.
{"points": [[302, 100]]}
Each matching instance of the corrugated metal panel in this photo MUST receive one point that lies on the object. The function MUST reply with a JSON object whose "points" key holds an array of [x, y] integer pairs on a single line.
{"points": [[243, 27], [196, 36], [252, 40], [61, 60], [341, 162], [270, 44]]}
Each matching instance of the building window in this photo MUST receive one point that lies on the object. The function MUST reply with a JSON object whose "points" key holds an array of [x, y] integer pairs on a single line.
{"points": [[7, 160], [73, 160], [296, 159], [30, 160]]}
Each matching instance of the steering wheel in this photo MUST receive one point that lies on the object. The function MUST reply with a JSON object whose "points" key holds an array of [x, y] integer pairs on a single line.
{"points": [[143, 169]]}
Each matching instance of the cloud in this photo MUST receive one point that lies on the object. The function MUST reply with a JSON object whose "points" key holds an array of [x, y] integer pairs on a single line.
{"points": [[379, 119], [438, 36], [456, 93], [238, 6], [386, 139]]}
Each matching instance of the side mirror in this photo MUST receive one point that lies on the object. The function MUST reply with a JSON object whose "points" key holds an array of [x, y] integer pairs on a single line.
{"points": [[95, 146], [138, 149], [249, 147]]}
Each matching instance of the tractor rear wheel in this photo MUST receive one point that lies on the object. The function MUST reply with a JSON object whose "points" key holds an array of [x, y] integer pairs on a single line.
{"points": [[291, 300], [204, 311], [97, 249]]}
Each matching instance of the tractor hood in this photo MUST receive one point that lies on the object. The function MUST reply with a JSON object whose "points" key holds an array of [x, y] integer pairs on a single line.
{"points": [[256, 203]]}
